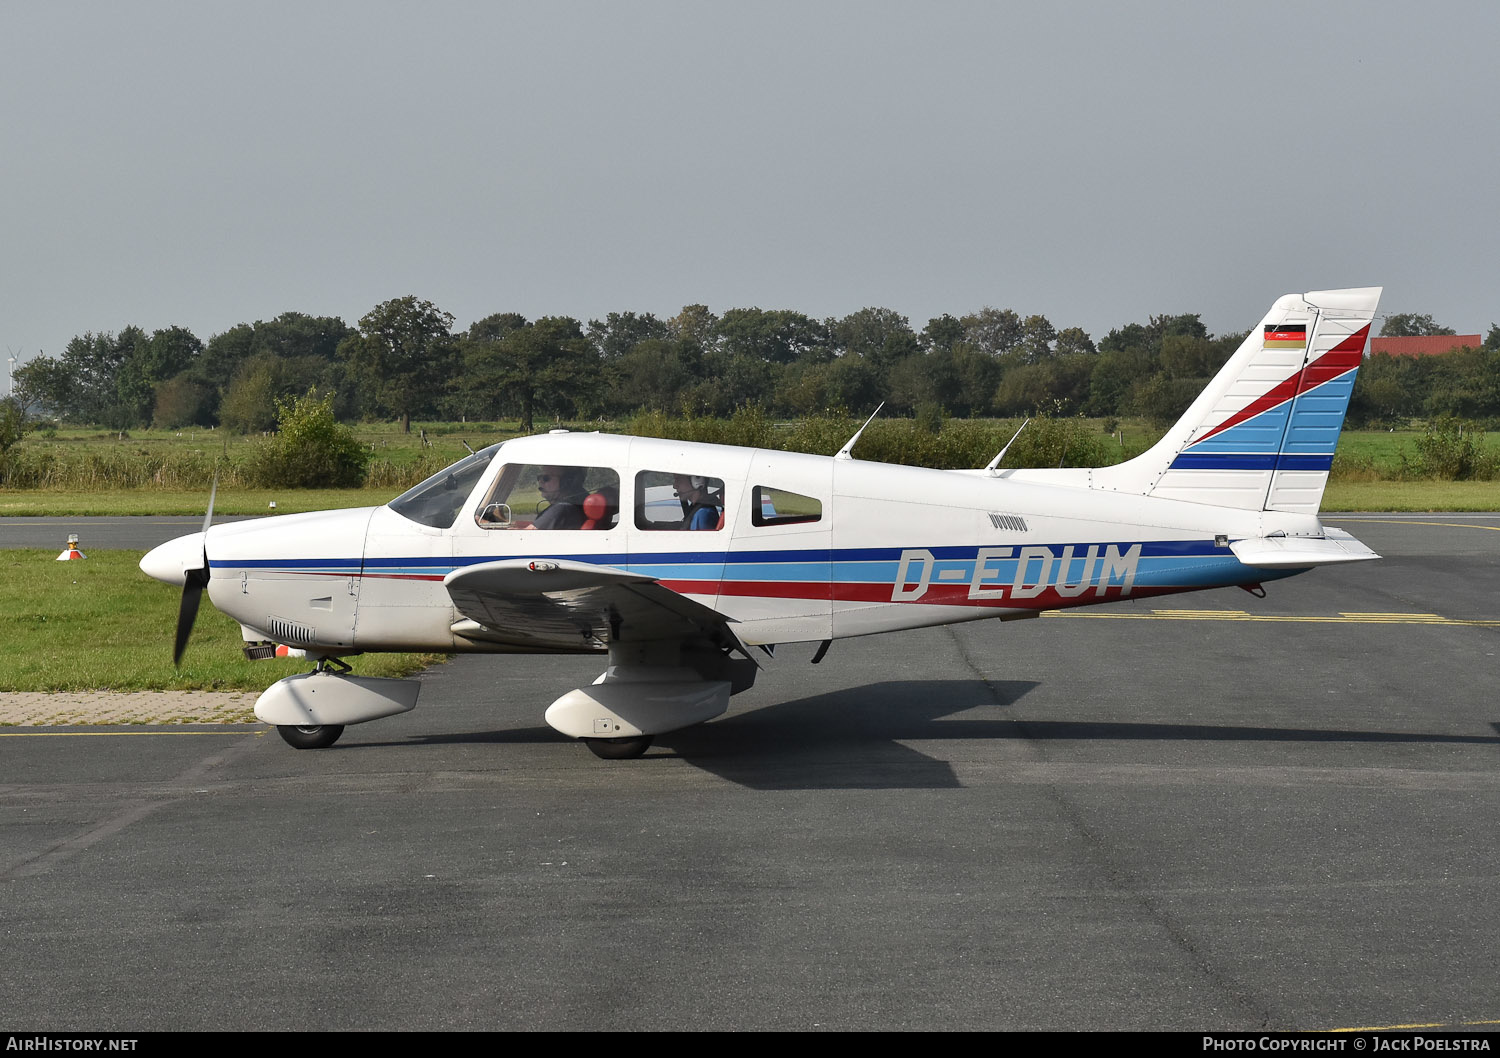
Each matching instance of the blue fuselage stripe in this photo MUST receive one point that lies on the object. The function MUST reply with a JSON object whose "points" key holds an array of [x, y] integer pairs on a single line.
{"points": [[1251, 461], [1158, 562], [787, 557]]}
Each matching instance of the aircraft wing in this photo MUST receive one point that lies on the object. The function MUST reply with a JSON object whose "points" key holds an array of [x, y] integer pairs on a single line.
{"points": [[557, 604]]}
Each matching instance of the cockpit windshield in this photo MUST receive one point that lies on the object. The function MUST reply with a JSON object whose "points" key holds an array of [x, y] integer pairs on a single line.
{"points": [[437, 501]]}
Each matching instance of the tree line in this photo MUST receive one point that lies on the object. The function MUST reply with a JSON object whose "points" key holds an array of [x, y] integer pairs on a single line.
{"points": [[404, 360]]}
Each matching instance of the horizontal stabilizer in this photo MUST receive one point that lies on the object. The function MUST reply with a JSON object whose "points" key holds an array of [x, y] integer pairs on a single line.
{"points": [[1298, 552]]}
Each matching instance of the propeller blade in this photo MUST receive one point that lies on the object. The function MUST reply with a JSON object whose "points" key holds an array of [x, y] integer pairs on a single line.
{"points": [[194, 583], [187, 612]]}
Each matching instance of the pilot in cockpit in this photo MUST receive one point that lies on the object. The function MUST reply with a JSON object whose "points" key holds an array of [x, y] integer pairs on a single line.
{"points": [[562, 488]]}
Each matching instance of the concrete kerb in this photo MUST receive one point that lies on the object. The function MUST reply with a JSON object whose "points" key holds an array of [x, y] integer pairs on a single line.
{"points": [[69, 708]]}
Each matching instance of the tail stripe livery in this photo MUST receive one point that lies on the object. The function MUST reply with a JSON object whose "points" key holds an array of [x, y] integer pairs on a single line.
{"points": [[1295, 425], [1262, 434], [1323, 398]]}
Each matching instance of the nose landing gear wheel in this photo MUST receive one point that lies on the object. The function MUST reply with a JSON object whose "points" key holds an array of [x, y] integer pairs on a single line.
{"points": [[619, 748], [311, 737]]}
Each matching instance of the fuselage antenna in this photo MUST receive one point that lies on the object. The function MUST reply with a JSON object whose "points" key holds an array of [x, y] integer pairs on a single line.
{"points": [[994, 467], [847, 451]]}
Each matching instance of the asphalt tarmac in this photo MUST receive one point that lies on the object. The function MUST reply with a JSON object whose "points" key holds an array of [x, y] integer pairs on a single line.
{"points": [[111, 532], [1201, 812]]}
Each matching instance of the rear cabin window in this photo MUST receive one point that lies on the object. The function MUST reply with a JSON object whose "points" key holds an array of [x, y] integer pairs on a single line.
{"points": [[528, 496], [772, 506], [666, 501]]}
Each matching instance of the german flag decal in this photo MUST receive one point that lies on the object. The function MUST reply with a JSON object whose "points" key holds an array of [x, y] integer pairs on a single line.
{"points": [[1286, 336]]}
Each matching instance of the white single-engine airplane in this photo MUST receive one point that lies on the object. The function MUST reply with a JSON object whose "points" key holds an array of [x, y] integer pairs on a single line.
{"points": [[678, 559]]}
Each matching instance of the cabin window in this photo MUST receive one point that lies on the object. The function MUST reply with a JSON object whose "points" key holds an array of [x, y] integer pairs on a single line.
{"points": [[528, 496], [772, 506], [437, 501], [668, 500]]}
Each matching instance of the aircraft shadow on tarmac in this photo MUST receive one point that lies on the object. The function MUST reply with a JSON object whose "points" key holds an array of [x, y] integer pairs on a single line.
{"points": [[853, 738]]}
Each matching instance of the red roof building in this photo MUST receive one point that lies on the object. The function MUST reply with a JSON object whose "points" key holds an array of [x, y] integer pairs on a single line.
{"points": [[1425, 345]]}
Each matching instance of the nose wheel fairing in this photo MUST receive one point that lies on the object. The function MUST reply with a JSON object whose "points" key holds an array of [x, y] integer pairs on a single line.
{"points": [[327, 699]]}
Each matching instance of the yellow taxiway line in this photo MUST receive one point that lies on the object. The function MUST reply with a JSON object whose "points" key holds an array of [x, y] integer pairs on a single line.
{"points": [[1416, 1025], [1244, 615], [120, 734], [1409, 521]]}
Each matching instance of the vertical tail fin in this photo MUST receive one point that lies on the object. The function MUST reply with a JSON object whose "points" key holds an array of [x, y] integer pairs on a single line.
{"points": [[1261, 435]]}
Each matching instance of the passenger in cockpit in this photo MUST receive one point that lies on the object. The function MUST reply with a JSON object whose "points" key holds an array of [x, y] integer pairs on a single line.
{"points": [[703, 507]]}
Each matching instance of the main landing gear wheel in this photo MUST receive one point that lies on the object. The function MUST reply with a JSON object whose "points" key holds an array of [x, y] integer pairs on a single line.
{"points": [[619, 748], [312, 737]]}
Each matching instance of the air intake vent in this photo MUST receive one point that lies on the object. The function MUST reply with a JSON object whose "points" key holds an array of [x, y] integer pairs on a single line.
{"points": [[288, 632], [1012, 522]]}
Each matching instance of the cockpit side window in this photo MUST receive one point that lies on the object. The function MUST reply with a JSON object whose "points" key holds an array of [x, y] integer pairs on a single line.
{"points": [[532, 496], [668, 500], [773, 506], [437, 501]]}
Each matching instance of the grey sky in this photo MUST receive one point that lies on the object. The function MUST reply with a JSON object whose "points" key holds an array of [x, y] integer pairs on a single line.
{"points": [[209, 164]]}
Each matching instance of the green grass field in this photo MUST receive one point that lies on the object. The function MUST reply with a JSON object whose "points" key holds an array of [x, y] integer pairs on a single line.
{"points": [[1341, 495], [1366, 476], [384, 440], [41, 503], [444, 441], [1412, 496], [101, 624]]}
